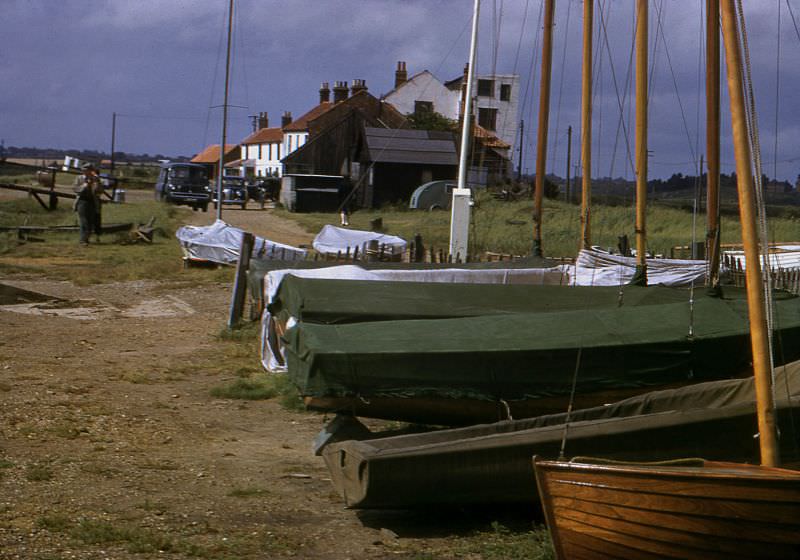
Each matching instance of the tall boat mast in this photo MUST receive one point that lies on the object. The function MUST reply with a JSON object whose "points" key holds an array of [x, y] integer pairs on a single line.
{"points": [[712, 142], [640, 277], [460, 207], [544, 117], [755, 296], [586, 124], [224, 115]]}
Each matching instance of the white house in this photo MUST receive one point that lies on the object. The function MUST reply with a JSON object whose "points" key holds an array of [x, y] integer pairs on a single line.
{"points": [[496, 99], [262, 152]]}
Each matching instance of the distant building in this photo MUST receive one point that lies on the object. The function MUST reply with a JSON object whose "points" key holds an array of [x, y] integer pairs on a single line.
{"points": [[262, 151], [210, 157], [496, 99]]}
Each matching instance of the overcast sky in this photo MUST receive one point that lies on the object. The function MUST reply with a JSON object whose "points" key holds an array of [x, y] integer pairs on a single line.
{"points": [[67, 65]]}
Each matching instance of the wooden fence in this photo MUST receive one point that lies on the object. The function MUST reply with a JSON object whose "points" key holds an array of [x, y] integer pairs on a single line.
{"points": [[782, 278]]}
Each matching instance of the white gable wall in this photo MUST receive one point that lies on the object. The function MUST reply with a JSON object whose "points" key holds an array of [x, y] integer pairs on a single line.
{"points": [[425, 87]]}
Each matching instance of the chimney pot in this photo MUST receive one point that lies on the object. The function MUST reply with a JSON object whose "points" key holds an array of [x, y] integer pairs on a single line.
{"points": [[263, 120], [324, 93], [286, 119], [358, 85], [339, 92], [400, 75]]}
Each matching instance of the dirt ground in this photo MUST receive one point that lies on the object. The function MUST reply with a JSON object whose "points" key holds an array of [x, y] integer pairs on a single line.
{"points": [[112, 447]]}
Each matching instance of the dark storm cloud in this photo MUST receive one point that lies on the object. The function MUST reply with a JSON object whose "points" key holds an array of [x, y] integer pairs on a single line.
{"points": [[67, 66]]}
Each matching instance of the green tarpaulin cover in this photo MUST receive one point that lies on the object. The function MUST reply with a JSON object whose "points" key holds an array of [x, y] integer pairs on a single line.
{"points": [[492, 462], [531, 355], [353, 301]]}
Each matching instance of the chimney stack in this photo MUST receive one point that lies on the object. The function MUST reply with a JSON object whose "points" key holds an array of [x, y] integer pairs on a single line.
{"points": [[400, 75], [263, 120], [358, 85], [286, 119], [324, 93], [339, 91]]}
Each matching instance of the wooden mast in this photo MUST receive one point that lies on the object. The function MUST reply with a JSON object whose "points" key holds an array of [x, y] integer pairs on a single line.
{"points": [[755, 296], [712, 142], [541, 133], [640, 277], [586, 124]]}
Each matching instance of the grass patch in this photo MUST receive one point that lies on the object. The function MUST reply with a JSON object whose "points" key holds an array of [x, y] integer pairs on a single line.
{"points": [[251, 390], [262, 387], [66, 431], [39, 473], [113, 260], [248, 492], [501, 543], [507, 227], [4, 464], [54, 522]]}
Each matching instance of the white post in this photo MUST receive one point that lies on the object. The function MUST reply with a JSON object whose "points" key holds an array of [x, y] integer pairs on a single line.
{"points": [[460, 207]]}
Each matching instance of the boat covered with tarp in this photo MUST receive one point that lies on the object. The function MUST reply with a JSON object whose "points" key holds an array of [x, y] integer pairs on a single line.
{"points": [[473, 369], [491, 463], [390, 276]]}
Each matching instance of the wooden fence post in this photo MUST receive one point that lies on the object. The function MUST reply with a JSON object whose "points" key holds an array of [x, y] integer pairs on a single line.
{"points": [[240, 283]]}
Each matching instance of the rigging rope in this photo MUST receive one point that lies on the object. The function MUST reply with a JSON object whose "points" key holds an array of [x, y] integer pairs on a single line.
{"points": [[752, 122], [616, 87], [565, 38]]}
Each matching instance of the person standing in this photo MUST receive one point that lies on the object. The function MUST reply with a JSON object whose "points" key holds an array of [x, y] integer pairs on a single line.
{"points": [[87, 202]]}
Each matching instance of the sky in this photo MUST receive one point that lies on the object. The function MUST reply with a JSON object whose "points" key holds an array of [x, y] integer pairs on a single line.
{"points": [[68, 65]]}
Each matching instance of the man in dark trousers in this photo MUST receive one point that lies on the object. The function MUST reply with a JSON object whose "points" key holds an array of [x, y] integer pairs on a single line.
{"points": [[87, 202]]}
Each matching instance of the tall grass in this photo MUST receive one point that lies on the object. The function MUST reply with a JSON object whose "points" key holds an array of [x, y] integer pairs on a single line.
{"points": [[507, 227]]}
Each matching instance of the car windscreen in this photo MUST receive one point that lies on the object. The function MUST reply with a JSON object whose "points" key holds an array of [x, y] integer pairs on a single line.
{"points": [[188, 173]]}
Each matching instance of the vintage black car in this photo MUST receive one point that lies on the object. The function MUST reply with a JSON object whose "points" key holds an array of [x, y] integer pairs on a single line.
{"points": [[183, 183], [234, 191]]}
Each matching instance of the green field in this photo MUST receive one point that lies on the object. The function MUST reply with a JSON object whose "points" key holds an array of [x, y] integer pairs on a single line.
{"points": [[507, 227]]}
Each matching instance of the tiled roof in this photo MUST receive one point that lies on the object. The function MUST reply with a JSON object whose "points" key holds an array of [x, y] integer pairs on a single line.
{"points": [[264, 136], [489, 139], [301, 124], [210, 154]]}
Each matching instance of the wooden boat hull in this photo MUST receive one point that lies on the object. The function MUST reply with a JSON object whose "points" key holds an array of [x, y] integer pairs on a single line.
{"points": [[464, 412], [491, 463], [708, 511]]}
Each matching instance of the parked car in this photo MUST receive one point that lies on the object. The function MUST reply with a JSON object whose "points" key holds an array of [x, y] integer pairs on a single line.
{"points": [[234, 191], [184, 183]]}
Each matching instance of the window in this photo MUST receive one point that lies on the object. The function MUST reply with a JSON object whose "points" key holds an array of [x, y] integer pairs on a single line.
{"points": [[487, 118], [259, 151], [423, 107], [486, 88], [269, 151], [505, 92]]}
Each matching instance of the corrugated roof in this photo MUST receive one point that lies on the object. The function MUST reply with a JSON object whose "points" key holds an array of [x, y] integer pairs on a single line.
{"points": [[392, 145], [301, 124], [265, 136], [210, 154]]}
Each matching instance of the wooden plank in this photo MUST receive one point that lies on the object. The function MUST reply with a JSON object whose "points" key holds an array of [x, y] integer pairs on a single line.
{"points": [[240, 283]]}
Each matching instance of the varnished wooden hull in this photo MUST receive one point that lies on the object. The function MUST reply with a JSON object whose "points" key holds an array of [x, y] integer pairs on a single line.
{"points": [[710, 511]]}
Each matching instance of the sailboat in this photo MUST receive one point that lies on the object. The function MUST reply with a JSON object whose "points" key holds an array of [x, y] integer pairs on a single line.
{"points": [[702, 509]]}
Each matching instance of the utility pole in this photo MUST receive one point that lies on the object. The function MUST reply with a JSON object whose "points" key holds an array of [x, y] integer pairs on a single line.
{"points": [[569, 158], [521, 146], [113, 141]]}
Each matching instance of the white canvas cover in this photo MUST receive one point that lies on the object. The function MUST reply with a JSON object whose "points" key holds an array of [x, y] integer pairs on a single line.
{"points": [[333, 239], [780, 257], [220, 243], [594, 267], [535, 276]]}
